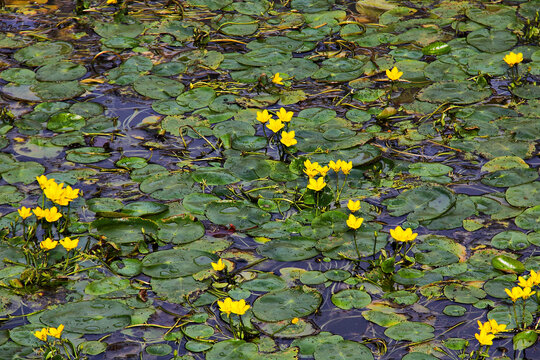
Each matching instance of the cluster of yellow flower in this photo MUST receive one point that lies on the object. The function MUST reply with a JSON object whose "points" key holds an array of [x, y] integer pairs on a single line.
{"points": [[51, 215], [284, 116], [67, 243], [229, 306], [488, 330], [54, 332], [354, 222], [56, 192], [314, 169], [524, 290]]}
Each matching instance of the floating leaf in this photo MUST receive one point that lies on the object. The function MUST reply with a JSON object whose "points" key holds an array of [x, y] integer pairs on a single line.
{"points": [[410, 331], [286, 304], [89, 317], [351, 298]]}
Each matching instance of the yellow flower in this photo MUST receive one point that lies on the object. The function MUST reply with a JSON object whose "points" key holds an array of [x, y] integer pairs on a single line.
{"points": [[54, 191], [496, 328], [311, 173], [220, 265], [527, 293], [24, 212], [70, 193], [394, 74], [56, 332], [39, 212], [43, 181], [484, 338], [229, 306], [336, 166], [526, 283], [323, 170], [403, 235], [52, 214], [346, 167], [515, 294], [275, 125], [277, 79], [48, 244], [353, 222], [239, 307], [535, 277], [284, 115], [294, 321], [41, 334], [486, 327], [513, 59], [225, 306], [309, 165], [69, 244], [316, 185], [353, 205], [263, 116], [111, 2], [287, 138]]}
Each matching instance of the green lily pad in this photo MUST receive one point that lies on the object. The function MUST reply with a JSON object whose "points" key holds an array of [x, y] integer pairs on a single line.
{"points": [[144, 208], [214, 176], [421, 203], [106, 286], [124, 232], [463, 294], [89, 317], [157, 87], [343, 350], [57, 91], [64, 122], [514, 240], [492, 41], [351, 298], [19, 76], [524, 195], [233, 350], [180, 230], [174, 263], [493, 15], [293, 249], [112, 29], [60, 71], [410, 331], [24, 172], [286, 304], [166, 186], [42, 53], [120, 42], [87, 155], [265, 282], [527, 91], [237, 213], [176, 289], [529, 219], [454, 92], [384, 316], [511, 177], [196, 98], [104, 204], [235, 24]]}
